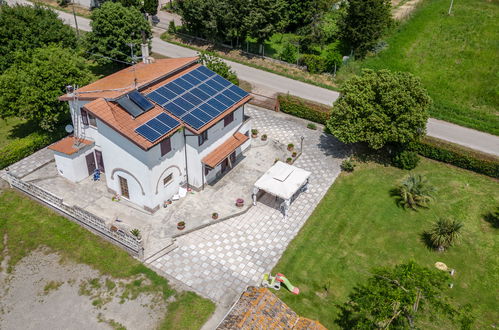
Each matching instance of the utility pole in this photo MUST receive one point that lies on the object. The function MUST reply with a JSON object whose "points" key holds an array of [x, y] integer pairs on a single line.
{"points": [[76, 21], [450, 8]]}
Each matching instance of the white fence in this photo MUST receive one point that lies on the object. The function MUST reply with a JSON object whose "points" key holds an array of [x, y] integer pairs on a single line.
{"points": [[88, 220]]}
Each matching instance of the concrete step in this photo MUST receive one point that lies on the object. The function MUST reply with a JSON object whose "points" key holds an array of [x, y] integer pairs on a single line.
{"points": [[167, 249]]}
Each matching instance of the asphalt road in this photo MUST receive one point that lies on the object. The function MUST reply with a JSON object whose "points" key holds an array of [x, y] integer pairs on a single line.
{"points": [[268, 83]]}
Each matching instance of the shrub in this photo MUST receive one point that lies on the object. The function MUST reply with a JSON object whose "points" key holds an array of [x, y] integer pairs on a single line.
{"points": [[458, 156], [314, 63], [289, 53], [443, 233], [312, 126], [135, 232], [347, 165], [20, 148], [172, 29], [414, 192], [298, 107], [406, 160]]}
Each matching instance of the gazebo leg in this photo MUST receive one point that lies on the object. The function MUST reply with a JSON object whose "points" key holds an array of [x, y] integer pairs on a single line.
{"points": [[285, 208], [255, 192]]}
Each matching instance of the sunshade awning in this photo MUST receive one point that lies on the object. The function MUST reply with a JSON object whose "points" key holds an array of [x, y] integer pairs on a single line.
{"points": [[282, 180], [224, 150]]}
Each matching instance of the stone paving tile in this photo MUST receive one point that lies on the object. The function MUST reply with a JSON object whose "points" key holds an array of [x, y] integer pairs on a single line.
{"points": [[235, 253], [29, 164]]}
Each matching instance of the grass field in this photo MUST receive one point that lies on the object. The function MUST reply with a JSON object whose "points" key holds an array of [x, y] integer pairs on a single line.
{"points": [[29, 226], [455, 56], [358, 226]]}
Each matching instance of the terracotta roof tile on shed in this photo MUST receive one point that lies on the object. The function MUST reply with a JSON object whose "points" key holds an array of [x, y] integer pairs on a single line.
{"points": [[121, 82], [224, 150], [258, 308], [66, 145]]}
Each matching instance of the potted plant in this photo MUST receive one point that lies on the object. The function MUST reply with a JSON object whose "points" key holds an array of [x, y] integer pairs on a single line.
{"points": [[254, 133], [294, 154], [290, 147], [135, 232], [115, 198], [239, 202], [181, 225], [214, 215], [264, 137], [289, 160]]}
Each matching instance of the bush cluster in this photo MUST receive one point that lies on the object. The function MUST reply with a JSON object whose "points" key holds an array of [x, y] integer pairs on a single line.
{"points": [[304, 109], [457, 156], [20, 148], [406, 160], [314, 63]]}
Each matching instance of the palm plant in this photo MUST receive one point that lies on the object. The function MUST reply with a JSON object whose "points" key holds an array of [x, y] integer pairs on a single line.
{"points": [[444, 232], [415, 191]]}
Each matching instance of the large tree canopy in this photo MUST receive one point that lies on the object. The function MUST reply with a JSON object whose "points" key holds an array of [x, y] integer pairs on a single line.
{"points": [[380, 107], [365, 23], [114, 28], [24, 28], [399, 297], [30, 87]]}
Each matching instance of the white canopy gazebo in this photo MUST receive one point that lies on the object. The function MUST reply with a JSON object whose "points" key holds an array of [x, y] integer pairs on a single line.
{"points": [[283, 181]]}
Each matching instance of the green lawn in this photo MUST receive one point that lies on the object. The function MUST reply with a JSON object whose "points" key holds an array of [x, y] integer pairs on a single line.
{"points": [[358, 226], [29, 225], [455, 56]]}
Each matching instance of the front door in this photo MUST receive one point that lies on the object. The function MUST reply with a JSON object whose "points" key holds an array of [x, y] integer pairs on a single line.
{"points": [[124, 187], [90, 163], [100, 161], [225, 165]]}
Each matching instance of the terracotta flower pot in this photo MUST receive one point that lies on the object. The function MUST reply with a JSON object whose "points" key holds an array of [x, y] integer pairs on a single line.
{"points": [[239, 202], [180, 226], [214, 216]]}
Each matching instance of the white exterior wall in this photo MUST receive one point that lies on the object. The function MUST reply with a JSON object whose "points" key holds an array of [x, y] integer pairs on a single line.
{"points": [[72, 167], [217, 134]]}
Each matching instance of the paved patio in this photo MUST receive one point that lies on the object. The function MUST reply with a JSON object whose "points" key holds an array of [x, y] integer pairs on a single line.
{"points": [[219, 261]]}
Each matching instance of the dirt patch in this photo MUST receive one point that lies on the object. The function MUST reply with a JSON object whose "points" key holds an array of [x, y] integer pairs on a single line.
{"points": [[42, 293], [402, 8]]}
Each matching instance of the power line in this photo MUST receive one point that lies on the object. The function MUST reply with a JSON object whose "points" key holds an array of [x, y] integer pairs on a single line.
{"points": [[109, 58]]}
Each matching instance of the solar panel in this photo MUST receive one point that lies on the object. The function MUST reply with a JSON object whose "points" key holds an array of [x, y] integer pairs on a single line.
{"points": [[157, 127], [129, 106], [140, 100], [197, 97]]}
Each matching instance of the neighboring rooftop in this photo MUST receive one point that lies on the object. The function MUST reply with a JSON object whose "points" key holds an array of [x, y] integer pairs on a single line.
{"points": [[67, 145], [258, 308]]}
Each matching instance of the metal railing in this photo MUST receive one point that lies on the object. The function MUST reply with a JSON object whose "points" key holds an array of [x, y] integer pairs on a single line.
{"points": [[121, 238]]}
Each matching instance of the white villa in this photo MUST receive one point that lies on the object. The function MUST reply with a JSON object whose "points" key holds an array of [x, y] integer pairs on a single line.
{"points": [[153, 129]]}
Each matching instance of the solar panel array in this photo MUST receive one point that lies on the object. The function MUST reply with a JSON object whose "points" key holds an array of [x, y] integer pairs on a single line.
{"points": [[157, 127], [198, 96], [134, 103]]}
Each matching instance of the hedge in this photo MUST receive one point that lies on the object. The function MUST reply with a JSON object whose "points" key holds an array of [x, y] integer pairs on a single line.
{"points": [[23, 147], [458, 156], [305, 109]]}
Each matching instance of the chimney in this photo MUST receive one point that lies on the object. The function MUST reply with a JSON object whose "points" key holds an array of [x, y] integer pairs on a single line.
{"points": [[144, 47]]}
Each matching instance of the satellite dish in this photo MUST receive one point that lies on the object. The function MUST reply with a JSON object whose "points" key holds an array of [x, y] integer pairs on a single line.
{"points": [[69, 128]]}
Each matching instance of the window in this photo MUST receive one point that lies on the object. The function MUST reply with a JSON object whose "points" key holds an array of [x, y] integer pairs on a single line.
{"points": [[168, 179], [166, 146], [91, 120], [84, 117], [229, 119], [203, 137], [124, 187]]}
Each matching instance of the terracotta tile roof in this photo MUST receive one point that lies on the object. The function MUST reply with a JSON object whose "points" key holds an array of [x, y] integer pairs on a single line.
{"points": [[66, 145], [121, 121], [120, 82], [258, 308], [224, 150]]}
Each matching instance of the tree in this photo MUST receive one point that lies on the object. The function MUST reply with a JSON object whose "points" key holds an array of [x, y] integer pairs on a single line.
{"points": [[398, 297], [380, 107], [114, 28], [365, 22], [24, 28], [264, 18], [289, 53], [443, 233], [151, 6], [30, 87], [414, 192], [218, 66]]}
